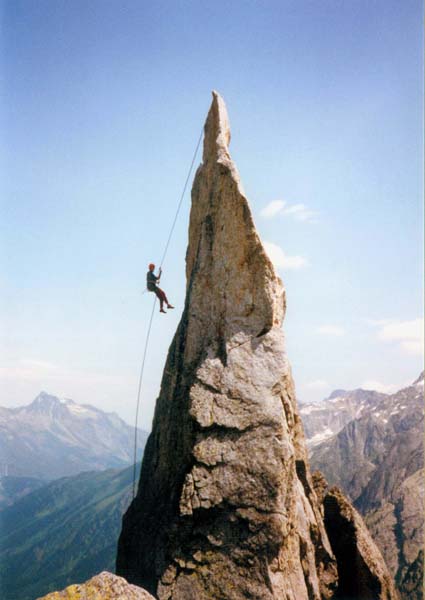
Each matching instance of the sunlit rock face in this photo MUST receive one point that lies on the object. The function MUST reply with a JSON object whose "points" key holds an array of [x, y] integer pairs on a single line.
{"points": [[225, 507]]}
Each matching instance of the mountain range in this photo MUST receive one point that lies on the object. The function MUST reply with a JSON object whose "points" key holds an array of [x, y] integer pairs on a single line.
{"points": [[371, 445], [66, 531], [52, 438]]}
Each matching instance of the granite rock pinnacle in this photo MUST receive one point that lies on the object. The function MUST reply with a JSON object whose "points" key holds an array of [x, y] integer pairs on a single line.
{"points": [[226, 507]]}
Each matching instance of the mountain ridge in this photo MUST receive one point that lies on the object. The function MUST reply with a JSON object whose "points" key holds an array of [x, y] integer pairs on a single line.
{"points": [[51, 438]]}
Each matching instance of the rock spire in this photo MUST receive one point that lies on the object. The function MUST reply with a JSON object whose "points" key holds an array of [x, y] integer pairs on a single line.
{"points": [[226, 507]]}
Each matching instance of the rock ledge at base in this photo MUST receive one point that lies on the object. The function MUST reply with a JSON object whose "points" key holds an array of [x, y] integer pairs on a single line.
{"points": [[105, 586]]}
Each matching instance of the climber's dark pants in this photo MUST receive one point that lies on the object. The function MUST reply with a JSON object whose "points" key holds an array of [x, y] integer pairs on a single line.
{"points": [[160, 295]]}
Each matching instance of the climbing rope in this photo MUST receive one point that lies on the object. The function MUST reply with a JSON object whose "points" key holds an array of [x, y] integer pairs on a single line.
{"points": [[170, 235]]}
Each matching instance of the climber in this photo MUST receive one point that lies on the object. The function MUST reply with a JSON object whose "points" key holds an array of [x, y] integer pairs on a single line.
{"points": [[151, 284]]}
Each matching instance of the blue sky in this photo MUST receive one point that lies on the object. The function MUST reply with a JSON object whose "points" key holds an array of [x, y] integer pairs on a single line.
{"points": [[102, 103]]}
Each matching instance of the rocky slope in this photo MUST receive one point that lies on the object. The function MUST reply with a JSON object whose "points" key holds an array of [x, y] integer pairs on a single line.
{"points": [[226, 506], [62, 533], [377, 458], [51, 438]]}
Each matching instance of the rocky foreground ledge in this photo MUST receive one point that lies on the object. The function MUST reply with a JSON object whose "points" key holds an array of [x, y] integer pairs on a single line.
{"points": [[104, 586]]}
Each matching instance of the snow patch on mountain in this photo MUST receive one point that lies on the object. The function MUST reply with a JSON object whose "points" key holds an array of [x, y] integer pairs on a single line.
{"points": [[320, 437], [78, 409]]}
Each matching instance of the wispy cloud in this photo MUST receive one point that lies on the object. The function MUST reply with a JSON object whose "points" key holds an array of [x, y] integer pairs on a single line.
{"points": [[282, 260], [318, 384], [28, 368], [408, 334], [272, 209], [43, 372], [332, 330], [378, 386], [300, 212]]}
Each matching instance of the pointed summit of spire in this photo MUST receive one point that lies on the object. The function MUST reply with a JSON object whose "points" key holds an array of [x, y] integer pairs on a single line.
{"points": [[217, 130]]}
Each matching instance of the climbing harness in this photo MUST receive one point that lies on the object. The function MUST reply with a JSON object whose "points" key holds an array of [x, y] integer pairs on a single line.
{"points": [[170, 235]]}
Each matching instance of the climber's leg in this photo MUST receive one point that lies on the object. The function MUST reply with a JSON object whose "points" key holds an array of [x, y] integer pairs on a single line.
{"points": [[161, 297]]}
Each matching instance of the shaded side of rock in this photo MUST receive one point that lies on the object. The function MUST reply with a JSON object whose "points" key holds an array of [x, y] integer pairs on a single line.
{"points": [[361, 569], [105, 586], [411, 585]]}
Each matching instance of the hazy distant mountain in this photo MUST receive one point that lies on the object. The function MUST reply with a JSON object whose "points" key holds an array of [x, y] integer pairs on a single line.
{"points": [[51, 438], [372, 447], [62, 533]]}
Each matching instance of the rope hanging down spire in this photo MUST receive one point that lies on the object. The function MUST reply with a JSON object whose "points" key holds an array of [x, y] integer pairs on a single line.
{"points": [[170, 235]]}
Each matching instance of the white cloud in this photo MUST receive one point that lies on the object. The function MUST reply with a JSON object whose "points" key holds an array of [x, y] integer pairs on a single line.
{"points": [[318, 384], [409, 334], [378, 386], [272, 209], [402, 330], [282, 260], [331, 330], [300, 212], [27, 368], [414, 347], [44, 373]]}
